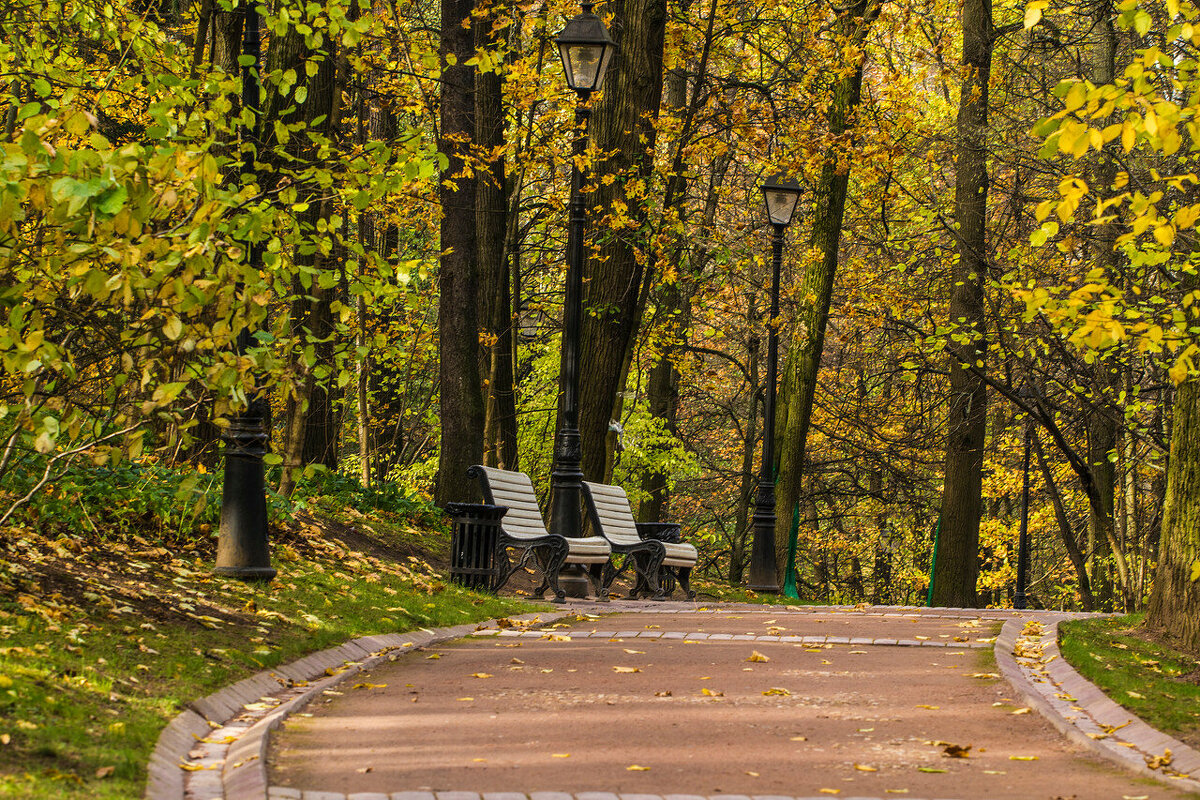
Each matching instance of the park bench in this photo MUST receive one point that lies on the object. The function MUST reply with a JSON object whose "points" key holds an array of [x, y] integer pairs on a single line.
{"points": [[523, 531], [657, 564]]}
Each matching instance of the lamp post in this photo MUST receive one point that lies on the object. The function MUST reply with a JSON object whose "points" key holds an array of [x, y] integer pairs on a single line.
{"points": [[242, 549], [782, 195], [586, 50], [1020, 597]]}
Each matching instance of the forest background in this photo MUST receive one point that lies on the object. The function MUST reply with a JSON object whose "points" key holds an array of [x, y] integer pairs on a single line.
{"points": [[995, 246]]}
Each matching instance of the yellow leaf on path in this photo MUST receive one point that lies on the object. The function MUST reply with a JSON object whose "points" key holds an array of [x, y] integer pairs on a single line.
{"points": [[560, 755], [626, 669], [369, 686], [516, 661], [365, 770], [957, 750], [466, 699], [865, 768], [752, 774], [635, 652], [929, 769], [776, 690], [984, 675], [921, 638], [994, 772], [831, 791], [1024, 710], [711, 693], [799, 739], [757, 657], [931, 708], [434, 655], [480, 675], [636, 768], [479, 759], [546, 671], [1022, 758]]}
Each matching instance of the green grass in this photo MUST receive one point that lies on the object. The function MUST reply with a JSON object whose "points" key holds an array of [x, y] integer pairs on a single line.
{"points": [[725, 593], [104, 639], [1158, 684]]}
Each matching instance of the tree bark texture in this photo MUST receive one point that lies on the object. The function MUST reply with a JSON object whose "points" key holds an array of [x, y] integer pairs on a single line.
{"points": [[461, 397], [957, 568], [1175, 604], [623, 128], [803, 364], [495, 299]]}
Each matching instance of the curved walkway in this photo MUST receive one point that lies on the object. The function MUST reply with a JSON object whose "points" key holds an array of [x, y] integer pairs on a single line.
{"points": [[674, 699]]}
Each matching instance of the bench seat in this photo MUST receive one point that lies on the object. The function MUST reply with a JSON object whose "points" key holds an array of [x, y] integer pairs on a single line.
{"points": [[523, 530]]}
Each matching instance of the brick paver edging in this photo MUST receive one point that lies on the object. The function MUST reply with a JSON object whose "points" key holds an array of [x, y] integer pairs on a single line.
{"points": [[239, 771], [1032, 663], [280, 793]]}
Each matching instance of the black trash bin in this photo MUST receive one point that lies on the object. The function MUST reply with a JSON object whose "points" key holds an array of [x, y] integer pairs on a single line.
{"points": [[473, 544]]}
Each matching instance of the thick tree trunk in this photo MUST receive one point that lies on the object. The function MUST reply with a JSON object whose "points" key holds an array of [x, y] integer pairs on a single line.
{"points": [[623, 126], [462, 408], [1175, 604], [495, 300], [803, 364], [957, 568]]}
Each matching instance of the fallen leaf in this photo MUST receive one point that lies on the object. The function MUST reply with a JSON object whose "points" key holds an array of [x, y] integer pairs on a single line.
{"points": [[1024, 710], [798, 739], [5, 738], [434, 655], [663, 693], [830, 791], [757, 657], [634, 652], [931, 708], [1136, 695], [929, 769], [479, 759], [104, 772], [560, 755], [1022, 758], [481, 675], [711, 693], [994, 772], [776, 690], [369, 686], [636, 768], [626, 669], [516, 661], [984, 675], [466, 699], [865, 768], [364, 770], [546, 671], [752, 774], [957, 750]]}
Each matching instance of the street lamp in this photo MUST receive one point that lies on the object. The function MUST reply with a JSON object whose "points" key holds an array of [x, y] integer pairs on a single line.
{"points": [[242, 549], [782, 195], [586, 50], [1020, 598]]}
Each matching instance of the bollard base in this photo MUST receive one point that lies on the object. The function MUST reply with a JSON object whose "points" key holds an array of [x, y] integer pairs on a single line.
{"points": [[246, 573]]}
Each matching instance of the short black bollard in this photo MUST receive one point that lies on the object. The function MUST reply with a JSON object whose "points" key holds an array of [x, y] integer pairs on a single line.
{"points": [[473, 545]]}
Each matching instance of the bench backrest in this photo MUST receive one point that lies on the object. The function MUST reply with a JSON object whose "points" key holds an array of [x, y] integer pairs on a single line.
{"points": [[502, 487], [608, 508]]}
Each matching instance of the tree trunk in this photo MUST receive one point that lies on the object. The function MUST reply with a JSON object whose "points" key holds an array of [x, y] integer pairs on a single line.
{"points": [[957, 568], [623, 127], [799, 384], [1175, 604], [1074, 551], [495, 300], [462, 409]]}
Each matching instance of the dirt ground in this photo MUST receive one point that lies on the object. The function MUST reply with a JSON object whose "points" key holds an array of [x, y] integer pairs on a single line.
{"points": [[667, 716]]}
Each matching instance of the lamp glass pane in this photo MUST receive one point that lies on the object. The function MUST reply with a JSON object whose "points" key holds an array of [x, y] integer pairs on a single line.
{"points": [[780, 205], [583, 62]]}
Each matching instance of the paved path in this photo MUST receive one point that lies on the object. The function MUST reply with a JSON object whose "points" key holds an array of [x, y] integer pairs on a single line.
{"points": [[836, 703]]}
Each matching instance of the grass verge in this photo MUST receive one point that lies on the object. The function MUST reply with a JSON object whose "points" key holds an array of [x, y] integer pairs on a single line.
{"points": [[1157, 683], [106, 638]]}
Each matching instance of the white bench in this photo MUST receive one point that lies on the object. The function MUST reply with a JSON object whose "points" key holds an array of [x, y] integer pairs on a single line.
{"points": [[611, 516], [523, 530]]}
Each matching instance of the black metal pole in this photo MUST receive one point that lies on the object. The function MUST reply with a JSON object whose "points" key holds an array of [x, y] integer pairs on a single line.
{"points": [[762, 553], [242, 548], [1020, 596], [567, 476]]}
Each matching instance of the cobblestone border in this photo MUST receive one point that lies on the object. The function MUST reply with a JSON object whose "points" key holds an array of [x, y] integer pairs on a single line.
{"points": [[280, 793], [217, 747], [1034, 666]]}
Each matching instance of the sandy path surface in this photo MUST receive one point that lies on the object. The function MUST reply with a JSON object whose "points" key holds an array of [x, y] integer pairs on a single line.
{"points": [[666, 716]]}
